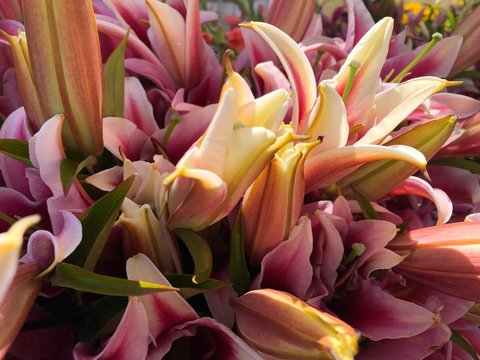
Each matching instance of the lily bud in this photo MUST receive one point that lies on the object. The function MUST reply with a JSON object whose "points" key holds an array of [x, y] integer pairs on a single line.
{"points": [[292, 17], [66, 66], [272, 204], [445, 258], [23, 73], [145, 233], [281, 325], [378, 178]]}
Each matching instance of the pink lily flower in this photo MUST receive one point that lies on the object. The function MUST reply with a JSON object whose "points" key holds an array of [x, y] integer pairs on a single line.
{"points": [[160, 322], [442, 257]]}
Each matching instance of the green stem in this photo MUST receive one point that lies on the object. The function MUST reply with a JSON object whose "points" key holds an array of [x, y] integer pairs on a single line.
{"points": [[174, 121], [436, 37], [354, 66], [357, 250]]}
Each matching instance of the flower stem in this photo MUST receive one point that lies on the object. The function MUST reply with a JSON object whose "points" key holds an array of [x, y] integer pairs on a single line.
{"points": [[436, 37], [354, 66]]}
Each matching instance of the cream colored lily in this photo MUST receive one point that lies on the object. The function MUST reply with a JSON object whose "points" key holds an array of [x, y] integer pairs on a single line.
{"points": [[214, 174]]}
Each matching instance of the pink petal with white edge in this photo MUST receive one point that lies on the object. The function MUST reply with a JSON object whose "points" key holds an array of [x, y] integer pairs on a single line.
{"points": [[48, 158], [208, 339], [131, 11], [359, 22], [167, 36], [370, 52], [379, 315], [123, 135], [137, 107], [396, 103], [460, 105], [155, 73], [13, 171], [164, 310], [287, 267], [47, 249], [416, 186], [130, 337], [272, 77], [411, 348], [297, 67]]}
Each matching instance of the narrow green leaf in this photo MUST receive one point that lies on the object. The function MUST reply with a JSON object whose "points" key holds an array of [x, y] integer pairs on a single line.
{"points": [[69, 170], [463, 343], [16, 149], [114, 81], [97, 221], [104, 312], [74, 277], [238, 263], [188, 288], [367, 209], [200, 252], [470, 165]]}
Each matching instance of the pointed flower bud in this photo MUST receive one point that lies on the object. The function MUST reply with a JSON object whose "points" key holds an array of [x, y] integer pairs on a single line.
{"points": [[23, 74], [272, 204], [445, 258], [145, 233], [280, 325], [66, 67]]}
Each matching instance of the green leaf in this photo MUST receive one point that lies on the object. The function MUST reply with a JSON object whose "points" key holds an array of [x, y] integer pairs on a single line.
{"points": [[367, 209], [470, 165], [104, 313], [114, 81], [238, 264], [200, 251], [16, 149], [188, 288], [69, 170], [97, 221], [74, 277], [463, 343]]}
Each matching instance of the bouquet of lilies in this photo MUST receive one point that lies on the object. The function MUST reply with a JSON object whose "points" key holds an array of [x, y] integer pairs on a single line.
{"points": [[282, 182]]}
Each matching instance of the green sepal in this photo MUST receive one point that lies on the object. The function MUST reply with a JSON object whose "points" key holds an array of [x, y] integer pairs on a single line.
{"points": [[465, 164], [114, 81], [463, 343], [367, 209], [74, 277], [16, 149], [188, 288], [97, 222], [69, 170], [238, 263], [201, 254]]}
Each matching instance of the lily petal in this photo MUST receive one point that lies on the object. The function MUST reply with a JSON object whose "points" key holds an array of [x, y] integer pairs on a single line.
{"points": [[297, 67], [10, 245]]}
